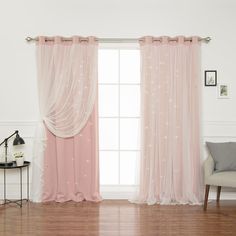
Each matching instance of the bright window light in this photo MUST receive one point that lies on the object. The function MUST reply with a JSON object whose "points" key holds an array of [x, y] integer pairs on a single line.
{"points": [[119, 115]]}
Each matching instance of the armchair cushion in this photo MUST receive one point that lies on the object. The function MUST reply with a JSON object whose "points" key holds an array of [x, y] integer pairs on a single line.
{"points": [[224, 179], [224, 155]]}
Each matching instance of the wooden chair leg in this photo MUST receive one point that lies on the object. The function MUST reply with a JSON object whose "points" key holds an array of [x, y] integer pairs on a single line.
{"points": [[206, 196], [218, 194]]}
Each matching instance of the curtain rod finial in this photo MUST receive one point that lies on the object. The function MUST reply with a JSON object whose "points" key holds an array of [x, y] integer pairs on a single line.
{"points": [[28, 39], [208, 39]]}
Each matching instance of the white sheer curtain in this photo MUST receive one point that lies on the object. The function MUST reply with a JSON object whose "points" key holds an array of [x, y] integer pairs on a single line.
{"points": [[67, 75], [170, 167], [67, 89]]}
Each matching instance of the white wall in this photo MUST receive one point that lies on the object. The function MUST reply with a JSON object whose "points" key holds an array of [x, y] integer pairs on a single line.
{"points": [[110, 18]]}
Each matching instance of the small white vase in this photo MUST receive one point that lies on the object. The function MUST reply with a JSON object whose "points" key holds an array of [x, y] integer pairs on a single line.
{"points": [[20, 161]]}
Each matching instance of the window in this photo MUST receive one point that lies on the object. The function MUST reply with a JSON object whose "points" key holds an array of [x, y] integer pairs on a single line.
{"points": [[119, 115]]}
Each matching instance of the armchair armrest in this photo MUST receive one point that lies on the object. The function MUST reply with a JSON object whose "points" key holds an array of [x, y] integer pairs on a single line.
{"points": [[208, 167]]}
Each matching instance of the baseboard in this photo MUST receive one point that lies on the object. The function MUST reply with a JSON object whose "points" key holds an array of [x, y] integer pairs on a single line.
{"points": [[226, 194], [130, 195], [122, 196], [117, 196], [13, 191]]}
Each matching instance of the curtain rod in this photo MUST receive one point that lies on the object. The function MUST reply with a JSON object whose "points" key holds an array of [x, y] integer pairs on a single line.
{"points": [[115, 40]]}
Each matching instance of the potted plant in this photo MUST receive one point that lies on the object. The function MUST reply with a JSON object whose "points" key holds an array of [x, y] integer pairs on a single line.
{"points": [[19, 157]]}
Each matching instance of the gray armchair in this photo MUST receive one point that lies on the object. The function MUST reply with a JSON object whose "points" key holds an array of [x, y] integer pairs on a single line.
{"points": [[219, 179]]}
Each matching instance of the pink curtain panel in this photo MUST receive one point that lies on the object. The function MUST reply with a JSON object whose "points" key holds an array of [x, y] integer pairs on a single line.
{"points": [[67, 85], [170, 169], [71, 165]]}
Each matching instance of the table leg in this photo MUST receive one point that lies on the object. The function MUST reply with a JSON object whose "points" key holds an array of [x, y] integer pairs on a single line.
{"points": [[20, 187], [27, 183], [4, 186]]}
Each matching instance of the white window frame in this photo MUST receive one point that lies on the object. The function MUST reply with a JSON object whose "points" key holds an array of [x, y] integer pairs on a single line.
{"points": [[118, 191]]}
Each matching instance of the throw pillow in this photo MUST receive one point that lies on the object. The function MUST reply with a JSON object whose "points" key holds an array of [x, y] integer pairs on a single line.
{"points": [[224, 155]]}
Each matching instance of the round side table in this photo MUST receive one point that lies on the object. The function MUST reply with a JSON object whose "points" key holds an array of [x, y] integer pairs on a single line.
{"points": [[14, 166]]}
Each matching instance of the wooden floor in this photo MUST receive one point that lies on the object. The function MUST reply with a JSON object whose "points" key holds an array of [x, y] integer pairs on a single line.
{"points": [[117, 218]]}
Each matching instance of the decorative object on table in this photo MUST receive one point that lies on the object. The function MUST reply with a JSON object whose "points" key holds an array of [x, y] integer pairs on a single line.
{"points": [[210, 77], [19, 158], [223, 91], [17, 141]]}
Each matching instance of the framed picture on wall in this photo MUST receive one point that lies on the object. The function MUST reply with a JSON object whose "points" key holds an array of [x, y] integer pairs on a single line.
{"points": [[210, 77], [223, 91]]}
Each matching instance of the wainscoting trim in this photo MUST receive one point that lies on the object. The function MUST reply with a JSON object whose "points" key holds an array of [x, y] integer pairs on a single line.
{"points": [[212, 130]]}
